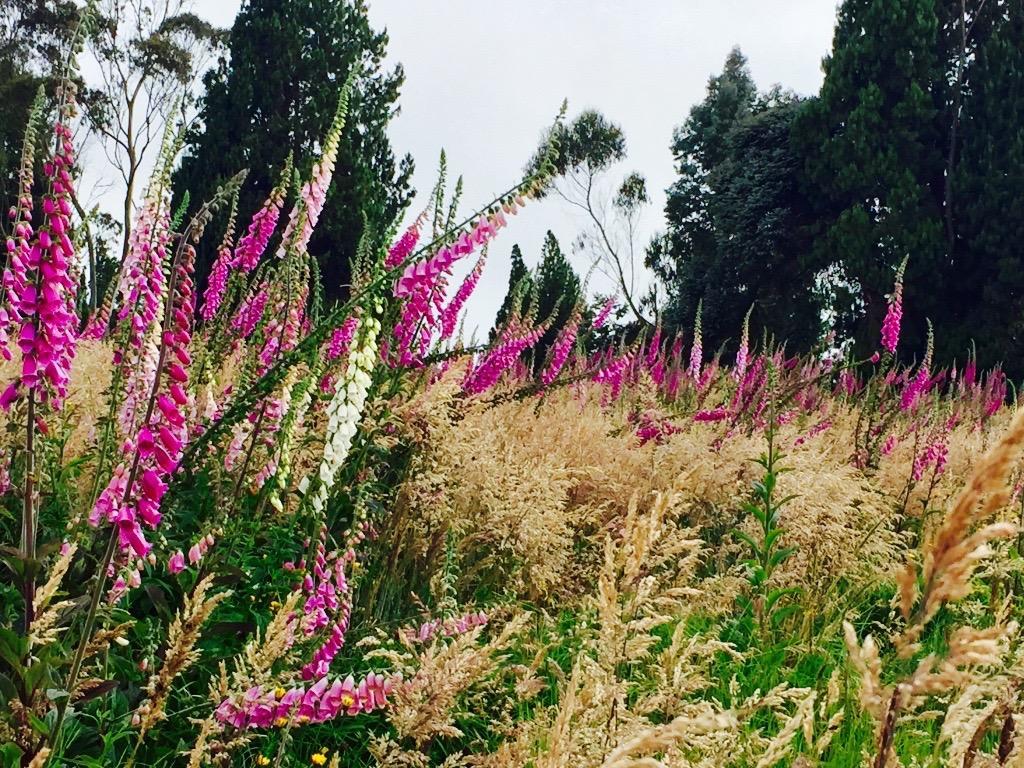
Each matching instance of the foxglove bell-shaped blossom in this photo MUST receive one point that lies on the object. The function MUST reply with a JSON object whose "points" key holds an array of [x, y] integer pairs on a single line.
{"points": [[253, 244], [136, 488], [321, 702], [894, 314], [450, 314], [345, 410], [560, 349], [500, 358], [604, 313], [696, 349], [40, 291]]}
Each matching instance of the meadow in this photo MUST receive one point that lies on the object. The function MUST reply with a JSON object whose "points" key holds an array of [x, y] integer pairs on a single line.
{"points": [[242, 527]]}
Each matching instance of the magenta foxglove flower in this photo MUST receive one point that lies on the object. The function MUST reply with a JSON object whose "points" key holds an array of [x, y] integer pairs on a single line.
{"points": [[450, 314], [561, 348], [715, 414], [40, 290], [894, 314], [250, 313], [176, 564], [320, 703], [500, 358], [603, 313], [341, 338], [136, 488], [403, 247], [253, 244]]}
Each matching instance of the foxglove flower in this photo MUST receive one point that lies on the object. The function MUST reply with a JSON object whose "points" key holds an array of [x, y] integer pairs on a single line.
{"points": [[894, 314], [696, 350], [561, 348], [40, 289], [500, 358], [253, 244], [136, 488], [603, 313], [403, 247], [450, 314], [743, 353], [344, 411], [321, 702]]}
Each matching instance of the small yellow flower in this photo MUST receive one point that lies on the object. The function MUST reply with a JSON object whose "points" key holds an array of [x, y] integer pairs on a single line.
{"points": [[281, 722], [279, 693], [318, 759], [262, 760], [274, 604]]}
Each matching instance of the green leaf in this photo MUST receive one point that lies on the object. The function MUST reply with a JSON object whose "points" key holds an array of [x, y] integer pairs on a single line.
{"points": [[38, 725], [748, 541], [11, 755], [13, 648], [7, 690]]}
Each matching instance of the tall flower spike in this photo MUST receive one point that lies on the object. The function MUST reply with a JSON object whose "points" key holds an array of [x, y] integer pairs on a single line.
{"points": [[253, 244], [603, 313], [220, 272], [422, 284], [345, 410], [500, 358], [696, 351], [313, 195], [894, 314], [40, 288], [743, 353], [450, 314], [18, 247], [403, 247], [561, 348]]}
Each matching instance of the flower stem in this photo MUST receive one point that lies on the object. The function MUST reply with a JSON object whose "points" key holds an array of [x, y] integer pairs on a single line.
{"points": [[28, 517]]}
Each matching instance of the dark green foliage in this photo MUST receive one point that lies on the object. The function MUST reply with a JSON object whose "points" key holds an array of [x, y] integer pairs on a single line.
{"points": [[591, 143], [989, 202], [873, 159], [913, 148], [520, 285], [558, 293], [278, 94], [34, 39], [738, 222], [550, 293]]}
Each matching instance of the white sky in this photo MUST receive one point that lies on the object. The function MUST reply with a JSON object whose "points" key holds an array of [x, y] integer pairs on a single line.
{"points": [[483, 79]]}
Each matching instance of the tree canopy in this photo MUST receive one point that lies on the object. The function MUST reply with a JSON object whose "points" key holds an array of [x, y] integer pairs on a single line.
{"points": [[276, 94]]}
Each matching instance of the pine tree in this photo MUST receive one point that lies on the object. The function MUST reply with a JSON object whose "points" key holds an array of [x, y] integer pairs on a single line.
{"points": [[990, 210], [874, 160], [277, 94], [736, 216], [558, 292], [698, 146], [520, 288]]}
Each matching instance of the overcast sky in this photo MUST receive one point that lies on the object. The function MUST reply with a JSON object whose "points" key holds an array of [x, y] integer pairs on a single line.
{"points": [[484, 78]]}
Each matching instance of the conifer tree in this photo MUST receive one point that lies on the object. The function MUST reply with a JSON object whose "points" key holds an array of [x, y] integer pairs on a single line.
{"points": [[276, 94], [990, 204], [874, 160]]}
